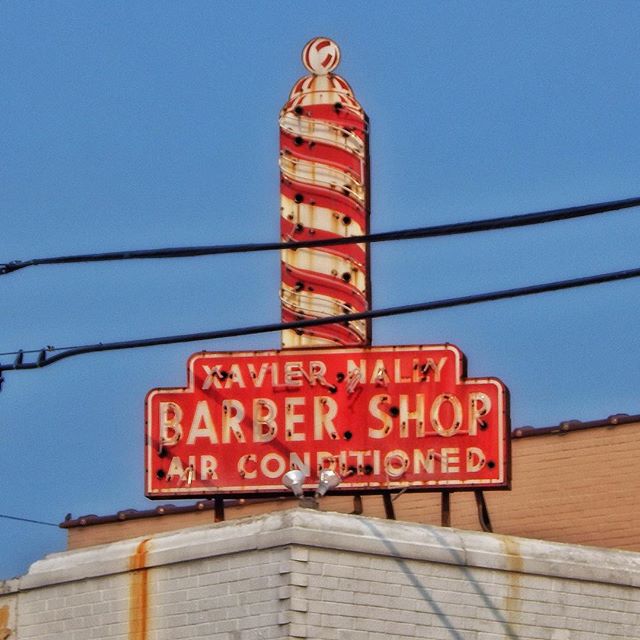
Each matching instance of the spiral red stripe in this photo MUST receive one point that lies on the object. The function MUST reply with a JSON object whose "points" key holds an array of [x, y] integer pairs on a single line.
{"points": [[321, 152], [347, 296], [340, 204], [328, 332], [345, 116], [296, 234], [324, 194]]}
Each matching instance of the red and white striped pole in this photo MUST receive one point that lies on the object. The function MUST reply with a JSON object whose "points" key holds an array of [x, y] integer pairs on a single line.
{"points": [[324, 193]]}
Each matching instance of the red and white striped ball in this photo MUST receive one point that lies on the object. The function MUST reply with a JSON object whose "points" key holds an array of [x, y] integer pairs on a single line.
{"points": [[321, 56]]}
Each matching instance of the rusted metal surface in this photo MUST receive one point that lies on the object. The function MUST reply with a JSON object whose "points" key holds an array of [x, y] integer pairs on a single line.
{"points": [[383, 418], [139, 593], [324, 193]]}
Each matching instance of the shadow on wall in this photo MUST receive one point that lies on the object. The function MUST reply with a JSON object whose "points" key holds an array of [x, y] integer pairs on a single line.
{"points": [[426, 595]]}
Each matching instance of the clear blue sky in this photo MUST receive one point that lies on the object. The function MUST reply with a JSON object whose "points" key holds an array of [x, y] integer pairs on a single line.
{"points": [[147, 124]]}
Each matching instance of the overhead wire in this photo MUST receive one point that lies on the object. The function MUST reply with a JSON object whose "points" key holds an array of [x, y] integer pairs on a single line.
{"points": [[44, 359], [47, 348], [489, 224], [31, 521]]}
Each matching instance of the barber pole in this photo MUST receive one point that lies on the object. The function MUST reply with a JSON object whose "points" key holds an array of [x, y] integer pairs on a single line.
{"points": [[324, 176]]}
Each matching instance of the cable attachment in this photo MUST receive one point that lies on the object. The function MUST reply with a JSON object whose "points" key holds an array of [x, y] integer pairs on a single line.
{"points": [[19, 359], [1, 377], [42, 358], [8, 267]]}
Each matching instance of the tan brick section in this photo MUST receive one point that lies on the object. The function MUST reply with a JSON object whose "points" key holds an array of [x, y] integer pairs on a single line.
{"points": [[578, 486], [328, 576]]}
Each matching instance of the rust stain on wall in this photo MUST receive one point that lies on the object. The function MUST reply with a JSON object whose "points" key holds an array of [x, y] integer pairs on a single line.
{"points": [[139, 593], [5, 632], [515, 563]]}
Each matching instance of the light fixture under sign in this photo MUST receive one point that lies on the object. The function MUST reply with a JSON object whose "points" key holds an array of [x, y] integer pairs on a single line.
{"points": [[294, 481]]}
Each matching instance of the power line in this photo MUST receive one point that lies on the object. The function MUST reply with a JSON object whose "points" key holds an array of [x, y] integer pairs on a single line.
{"points": [[490, 224], [47, 348], [48, 524], [44, 360]]}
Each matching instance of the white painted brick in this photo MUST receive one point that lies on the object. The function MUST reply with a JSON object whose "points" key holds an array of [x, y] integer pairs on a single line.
{"points": [[298, 604], [169, 622], [353, 584], [300, 553], [284, 616], [326, 633], [336, 608], [298, 631], [350, 634], [222, 626], [338, 571], [299, 580], [336, 595]]}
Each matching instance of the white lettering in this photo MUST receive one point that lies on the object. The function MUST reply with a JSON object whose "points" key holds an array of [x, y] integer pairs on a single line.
{"points": [[293, 374], [325, 410], [202, 416], [213, 377], [269, 411], [304, 465], [405, 415], [475, 459], [208, 465], [267, 468], [479, 406], [175, 468], [258, 377], [292, 418], [456, 420], [247, 466], [170, 424], [234, 377], [385, 418], [232, 416], [450, 460], [396, 462]]}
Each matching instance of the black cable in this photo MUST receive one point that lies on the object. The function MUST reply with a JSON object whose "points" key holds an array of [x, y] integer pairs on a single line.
{"points": [[44, 361], [50, 348], [504, 222], [48, 524]]}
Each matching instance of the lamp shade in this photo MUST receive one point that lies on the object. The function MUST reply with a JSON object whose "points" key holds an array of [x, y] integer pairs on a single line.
{"points": [[293, 480], [328, 480]]}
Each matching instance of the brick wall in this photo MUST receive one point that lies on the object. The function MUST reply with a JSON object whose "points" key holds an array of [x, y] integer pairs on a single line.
{"points": [[327, 576]]}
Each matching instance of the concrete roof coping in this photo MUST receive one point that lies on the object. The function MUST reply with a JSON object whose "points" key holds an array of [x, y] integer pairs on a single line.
{"points": [[344, 532]]}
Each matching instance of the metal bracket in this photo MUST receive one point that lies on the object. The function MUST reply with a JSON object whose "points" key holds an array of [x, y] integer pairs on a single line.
{"points": [[389, 511], [357, 505], [481, 505], [218, 506], [445, 509], [483, 511]]}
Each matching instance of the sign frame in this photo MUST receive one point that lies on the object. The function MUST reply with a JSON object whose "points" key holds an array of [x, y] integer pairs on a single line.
{"points": [[155, 452]]}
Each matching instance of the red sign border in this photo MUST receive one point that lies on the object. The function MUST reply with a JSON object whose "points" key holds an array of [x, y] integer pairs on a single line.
{"points": [[503, 417]]}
